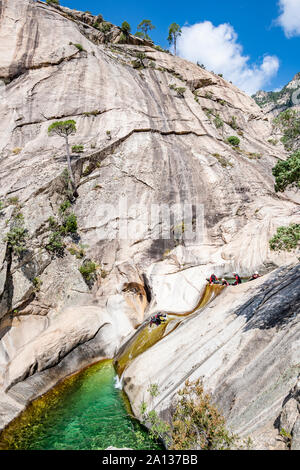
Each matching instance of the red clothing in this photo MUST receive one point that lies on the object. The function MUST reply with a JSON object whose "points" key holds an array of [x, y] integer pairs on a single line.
{"points": [[237, 280]]}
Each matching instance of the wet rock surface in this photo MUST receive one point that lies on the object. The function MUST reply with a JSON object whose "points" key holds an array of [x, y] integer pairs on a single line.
{"points": [[248, 362]]}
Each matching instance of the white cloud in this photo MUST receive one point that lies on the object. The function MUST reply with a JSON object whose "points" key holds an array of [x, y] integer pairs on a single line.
{"points": [[289, 19], [217, 48]]}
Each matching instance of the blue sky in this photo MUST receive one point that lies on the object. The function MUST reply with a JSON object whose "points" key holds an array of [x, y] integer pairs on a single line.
{"points": [[262, 52]]}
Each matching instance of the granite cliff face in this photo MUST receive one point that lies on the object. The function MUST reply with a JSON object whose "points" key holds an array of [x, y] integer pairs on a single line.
{"points": [[149, 123]]}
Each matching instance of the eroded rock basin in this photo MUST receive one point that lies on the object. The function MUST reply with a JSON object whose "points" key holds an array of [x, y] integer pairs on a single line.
{"points": [[83, 412]]}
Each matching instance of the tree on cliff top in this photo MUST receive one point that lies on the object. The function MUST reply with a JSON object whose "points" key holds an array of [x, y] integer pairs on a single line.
{"points": [[174, 33], [144, 27], [65, 129], [126, 28]]}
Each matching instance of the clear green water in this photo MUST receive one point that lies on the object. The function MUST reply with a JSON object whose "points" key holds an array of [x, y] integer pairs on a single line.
{"points": [[85, 411]]}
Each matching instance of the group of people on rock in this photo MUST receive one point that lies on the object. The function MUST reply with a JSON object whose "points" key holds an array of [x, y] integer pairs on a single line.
{"points": [[158, 319], [237, 280]]}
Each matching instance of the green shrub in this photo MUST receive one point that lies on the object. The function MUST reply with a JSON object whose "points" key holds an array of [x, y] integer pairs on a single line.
{"points": [[289, 123], [78, 251], [196, 423], [218, 121], [125, 28], [180, 91], [88, 271], [234, 141], [208, 95], [37, 284], [158, 429], [77, 148], [53, 224], [55, 244], [105, 27], [79, 47], [287, 173], [16, 239], [209, 112], [286, 238], [62, 208], [139, 63], [69, 224], [54, 2]]}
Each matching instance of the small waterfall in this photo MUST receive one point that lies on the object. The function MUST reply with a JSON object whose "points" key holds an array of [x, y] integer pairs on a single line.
{"points": [[118, 382]]}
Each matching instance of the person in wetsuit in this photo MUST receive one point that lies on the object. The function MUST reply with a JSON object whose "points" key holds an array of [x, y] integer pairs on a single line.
{"points": [[254, 276], [237, 278], [213, 279], [225, 283], [158, 319]]}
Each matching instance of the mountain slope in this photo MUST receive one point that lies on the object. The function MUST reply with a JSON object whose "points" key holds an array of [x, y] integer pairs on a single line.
{"points": [[274, 102]]}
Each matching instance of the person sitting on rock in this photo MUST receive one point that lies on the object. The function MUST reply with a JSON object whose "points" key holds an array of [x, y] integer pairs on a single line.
{"points": [[158, 319], [213, 279], [225, 283], [254, 276], [237, 278]]}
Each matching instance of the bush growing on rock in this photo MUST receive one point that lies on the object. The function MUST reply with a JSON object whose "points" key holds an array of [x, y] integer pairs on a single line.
{"points": [[197, 424], [63, 208], [78, 251], [16, 239], [289, 123], [287, 173], [69, 225], [158, 429], [286, 238], [234, 141], [77, 148], [88, 271], [55, 244], [126, 28], [79, 47], [52, 2], [180, 91], [37, 282], [105, 27]]}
